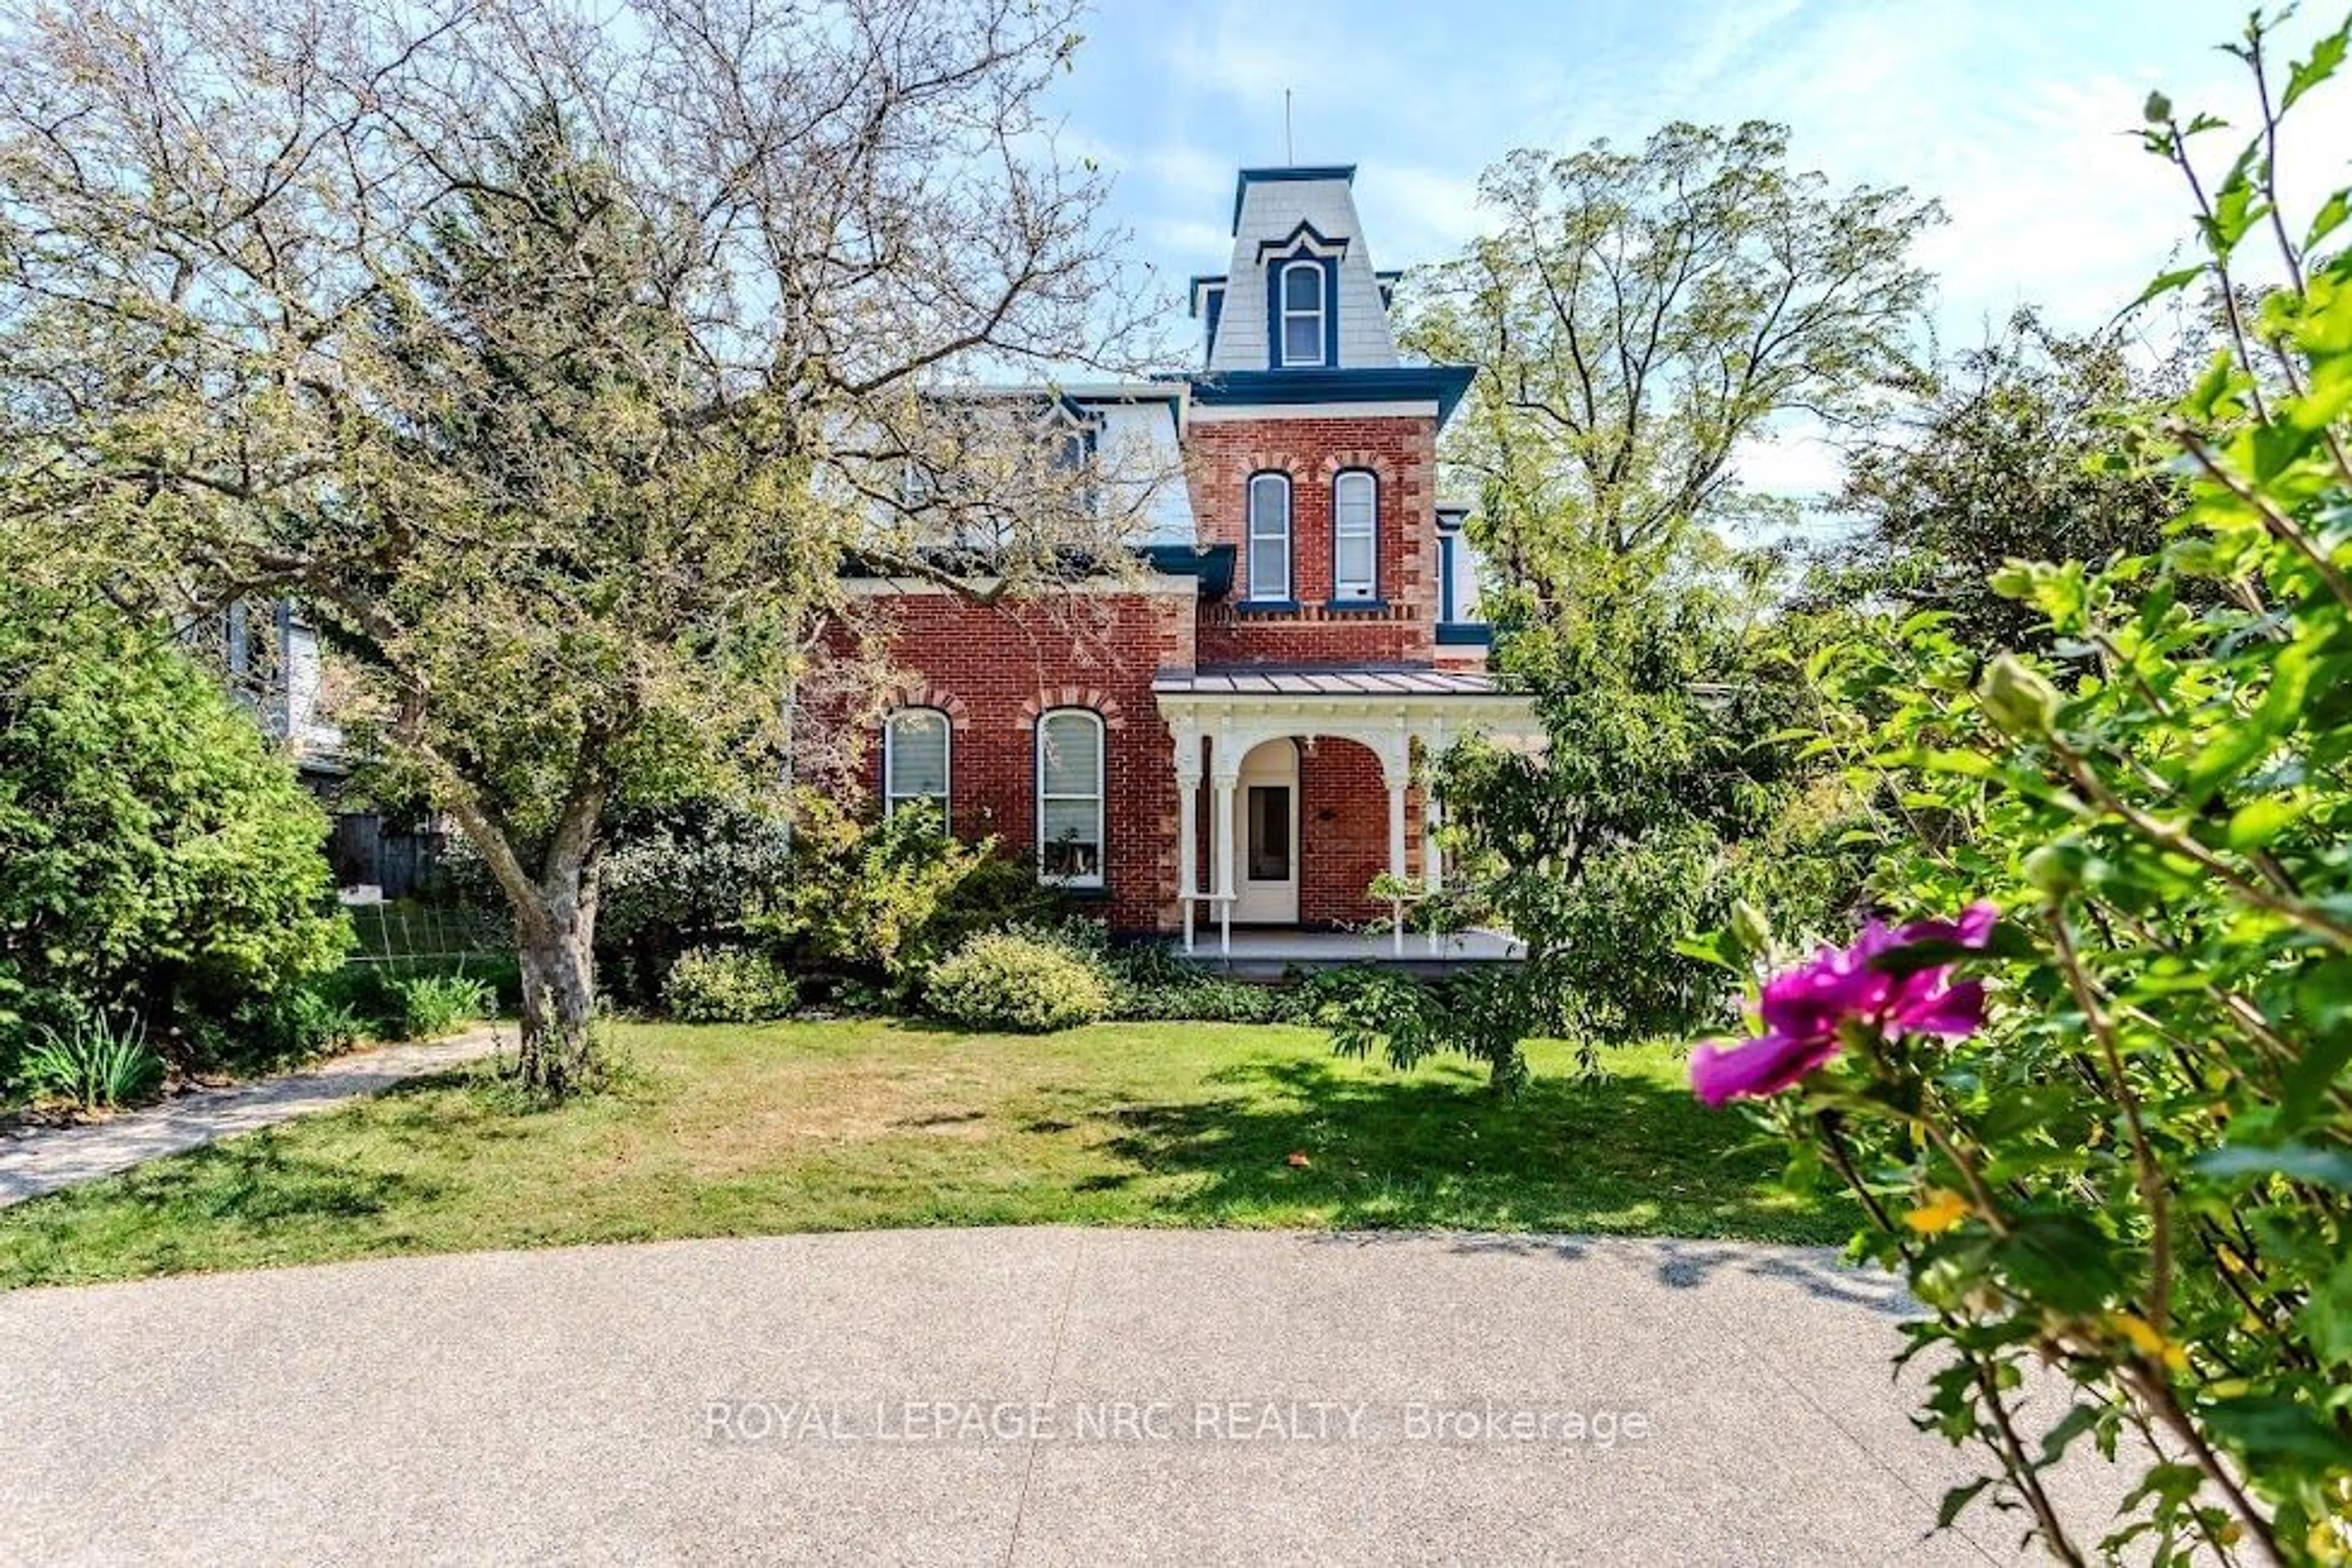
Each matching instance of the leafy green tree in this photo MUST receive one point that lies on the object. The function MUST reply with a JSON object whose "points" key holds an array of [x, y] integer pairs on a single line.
{"points": [[2022, 450], [554, 361], [157, 857], [1635, 317], [1644, 812]]}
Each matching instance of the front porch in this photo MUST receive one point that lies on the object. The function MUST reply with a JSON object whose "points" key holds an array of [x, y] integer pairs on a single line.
{"points": [[1252, 954], [1243, 732]]}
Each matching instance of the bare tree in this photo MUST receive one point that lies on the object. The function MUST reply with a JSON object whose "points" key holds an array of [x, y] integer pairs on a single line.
{"points": [[556, 359]]}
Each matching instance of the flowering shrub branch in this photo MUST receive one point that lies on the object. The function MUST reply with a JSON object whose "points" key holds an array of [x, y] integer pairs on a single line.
{"points": [[2106, 1135]]}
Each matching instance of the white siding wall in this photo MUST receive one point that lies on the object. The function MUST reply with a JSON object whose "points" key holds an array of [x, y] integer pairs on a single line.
{"points": [[1137, 447]]}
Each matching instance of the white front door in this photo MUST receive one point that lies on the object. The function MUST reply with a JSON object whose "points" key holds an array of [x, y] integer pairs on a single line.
{"points": [[1265, 837]]}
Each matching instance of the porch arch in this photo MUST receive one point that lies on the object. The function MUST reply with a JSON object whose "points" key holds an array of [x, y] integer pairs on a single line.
{"points": [[1217, 718]]}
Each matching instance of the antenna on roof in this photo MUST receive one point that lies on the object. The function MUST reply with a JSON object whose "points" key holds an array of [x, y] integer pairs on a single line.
{"points": [[1289, 151]]}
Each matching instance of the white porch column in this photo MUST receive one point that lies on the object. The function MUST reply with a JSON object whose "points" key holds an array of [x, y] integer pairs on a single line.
{"points": [[1396, 769], [1432, 859], [1225, 770], [1188, 810]]}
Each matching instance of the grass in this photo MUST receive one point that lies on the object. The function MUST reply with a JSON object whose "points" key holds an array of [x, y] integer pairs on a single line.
{"points": [[834, 1126]]}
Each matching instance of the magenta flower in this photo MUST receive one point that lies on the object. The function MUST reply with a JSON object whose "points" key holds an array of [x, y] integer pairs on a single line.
{"points": [[1803, 1009]]}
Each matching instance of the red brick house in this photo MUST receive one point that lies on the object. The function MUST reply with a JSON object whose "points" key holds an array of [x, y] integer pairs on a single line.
{"points": [[1234, 737]]}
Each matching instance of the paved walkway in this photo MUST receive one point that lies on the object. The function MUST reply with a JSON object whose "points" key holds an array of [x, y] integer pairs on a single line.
{"points": [[1010, 1396], [40, 1160]]}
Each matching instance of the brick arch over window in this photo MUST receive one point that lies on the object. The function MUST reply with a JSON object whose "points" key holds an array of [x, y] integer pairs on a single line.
{"points": [[1276, 460], [919, 693], [1105, 705], [1373, 463]]}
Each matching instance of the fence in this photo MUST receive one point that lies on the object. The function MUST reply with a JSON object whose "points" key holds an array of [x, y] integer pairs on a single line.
{"points": [[365, 854], [389, 933]]}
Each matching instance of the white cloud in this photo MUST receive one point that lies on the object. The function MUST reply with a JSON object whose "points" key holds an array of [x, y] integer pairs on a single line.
{"points": [[1796, 461]]}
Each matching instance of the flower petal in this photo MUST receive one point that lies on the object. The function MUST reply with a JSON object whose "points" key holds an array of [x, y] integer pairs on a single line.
{"points": [[1950, 1010], [1723, 1071]]}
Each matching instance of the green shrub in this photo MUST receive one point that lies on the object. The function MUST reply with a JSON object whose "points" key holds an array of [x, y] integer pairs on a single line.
{"points": [[157, 855], [998, 980], [95, 1063], [728, 985], [1150, 983], [303, 1024], [372, 993], [1208, 1001], [424, 1005], [886, 899]]}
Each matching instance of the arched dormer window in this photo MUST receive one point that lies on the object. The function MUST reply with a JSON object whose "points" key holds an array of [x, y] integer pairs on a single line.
{"points": [[1070, 798], [1355, 535], [1267, 571], [917, 746], [1304, 306]]}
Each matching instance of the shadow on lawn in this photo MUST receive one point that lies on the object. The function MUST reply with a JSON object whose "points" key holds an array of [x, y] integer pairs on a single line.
{"points": [[266, 1182], [1435, 1149]]}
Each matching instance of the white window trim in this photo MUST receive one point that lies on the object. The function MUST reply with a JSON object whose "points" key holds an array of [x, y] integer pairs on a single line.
{"points": [[1283, 313], [1101, 790], [1254, 592], [892, 799], [1368, 587]]}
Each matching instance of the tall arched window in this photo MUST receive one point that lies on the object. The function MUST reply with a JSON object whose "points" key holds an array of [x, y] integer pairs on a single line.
{"points": [[1269, 572], [1070, 798], [1303, 310], [916, 747], [1355, 536]]}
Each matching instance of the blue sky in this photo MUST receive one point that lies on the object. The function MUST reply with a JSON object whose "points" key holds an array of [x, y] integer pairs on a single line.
{"points": [[2011, 113]]}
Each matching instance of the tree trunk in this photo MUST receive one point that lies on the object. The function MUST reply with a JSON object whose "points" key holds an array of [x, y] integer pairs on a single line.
{"points": [[555, 929], [556, 942]]}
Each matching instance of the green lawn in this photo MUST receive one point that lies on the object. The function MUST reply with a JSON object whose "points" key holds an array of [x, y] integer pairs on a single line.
{"points": [[828, 1126]]}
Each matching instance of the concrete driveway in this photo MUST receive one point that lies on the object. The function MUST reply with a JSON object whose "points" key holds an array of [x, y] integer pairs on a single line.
{"points": [[982, 1396]]}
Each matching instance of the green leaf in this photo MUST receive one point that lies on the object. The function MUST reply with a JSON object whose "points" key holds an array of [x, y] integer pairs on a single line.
{"points": [[2324, 997], [2059, 1259], [2166, 283], [2330, 217], [2328, 1315], [1964, 764], [2297, 1162], [2325, 56], [2239, 745], [2263, 819], [1720, 948], [2266, 1428]]}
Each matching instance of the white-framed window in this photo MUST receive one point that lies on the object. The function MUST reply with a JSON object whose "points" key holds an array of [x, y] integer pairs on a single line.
{"points": [[1269, 572], [1070, 798], [917, 746], [1355, 535], [1303, 308]]}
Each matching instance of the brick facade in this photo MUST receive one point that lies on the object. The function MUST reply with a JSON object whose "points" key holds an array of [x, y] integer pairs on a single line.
{"points": [[1343, 833], [994, 669], [1401, 455]]}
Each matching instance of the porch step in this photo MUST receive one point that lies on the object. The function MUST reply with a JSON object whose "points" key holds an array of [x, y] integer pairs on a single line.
{"points": [[1269, 955]]}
